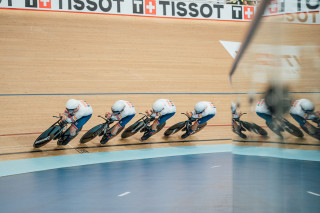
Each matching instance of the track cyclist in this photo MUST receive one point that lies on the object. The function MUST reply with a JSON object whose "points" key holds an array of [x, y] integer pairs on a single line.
{"points": [[163, 109], [77, 113], [235, 118], [302, 110], [203, 111], [263, 111], [122, 111]]}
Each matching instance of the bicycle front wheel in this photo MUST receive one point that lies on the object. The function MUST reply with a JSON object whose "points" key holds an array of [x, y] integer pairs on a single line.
{"points": [[92, 133]]}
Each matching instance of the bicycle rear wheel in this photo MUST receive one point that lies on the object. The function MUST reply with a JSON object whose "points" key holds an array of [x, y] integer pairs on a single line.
{"points": [[174, 129], [118, 132], [247, 125], [66, 137], [92, 133], [276, 129], [200, 127], [160, 127], [259, 130], [133, 129], [292, 129]]}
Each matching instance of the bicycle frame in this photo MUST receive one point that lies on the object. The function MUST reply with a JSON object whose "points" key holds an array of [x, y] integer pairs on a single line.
{"points": [[146, 121], [62, 124], [240, 122], [106, 125], [188, 122]]}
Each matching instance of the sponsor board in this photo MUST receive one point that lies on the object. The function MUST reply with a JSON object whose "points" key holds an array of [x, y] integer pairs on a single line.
{"points": [[295, 11], [303, 18], [156, 8], [276, 7]]}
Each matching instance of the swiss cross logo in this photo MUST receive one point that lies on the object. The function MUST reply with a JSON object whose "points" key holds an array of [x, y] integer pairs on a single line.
{"points": [[248, 12], [273, 6], [150, 7], [45, 4]]}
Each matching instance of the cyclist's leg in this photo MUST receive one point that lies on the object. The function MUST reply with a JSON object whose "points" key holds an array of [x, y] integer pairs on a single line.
{"points": [[201, 121], [76, 127], [161, 120], [116, 127], [196, 124], [299, 119], [265, 116], [235, 126], [268, 118], [121, 123], [304, 124], [157, 122], [270, 123]]}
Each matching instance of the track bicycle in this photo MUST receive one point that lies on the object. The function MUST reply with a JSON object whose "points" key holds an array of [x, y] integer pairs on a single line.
{"points": [[281, 124], [100, 130], [184, 126], [142, 125], [239, 125], [54, 132]]}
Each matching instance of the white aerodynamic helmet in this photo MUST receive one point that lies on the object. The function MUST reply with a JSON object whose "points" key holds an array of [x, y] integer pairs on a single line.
{"points": [[118, 106], [158, 106], [200, 107], [72, 104], [233, 107], [307, 106]]}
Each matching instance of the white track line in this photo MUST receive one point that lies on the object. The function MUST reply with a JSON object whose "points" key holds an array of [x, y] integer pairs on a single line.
{"points": [[123, 194], [313, 193], [215, 166]]}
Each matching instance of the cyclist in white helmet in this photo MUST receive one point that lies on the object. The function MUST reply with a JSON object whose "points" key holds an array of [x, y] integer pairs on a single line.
{"points": [[235, 117], [164, 109], [122, 111], [203, 111], [235, 113], [263, 111], [78, 113], [303, 110]]}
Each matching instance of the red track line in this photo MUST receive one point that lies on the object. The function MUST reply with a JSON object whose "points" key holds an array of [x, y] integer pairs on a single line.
{"points": [[34, 133]]}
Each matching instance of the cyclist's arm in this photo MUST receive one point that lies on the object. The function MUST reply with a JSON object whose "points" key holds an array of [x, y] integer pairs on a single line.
{"points": [[310, 116], [195, 115], [74, 117], [71, 119], [316, 119], [116, 117]]}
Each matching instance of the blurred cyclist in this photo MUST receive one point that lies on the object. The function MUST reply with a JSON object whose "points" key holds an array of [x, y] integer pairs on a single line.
{"points": [[303, 110], [164, 109], [263, 111], [235, 118], [122, 111], [78, 113], [203, 111]]}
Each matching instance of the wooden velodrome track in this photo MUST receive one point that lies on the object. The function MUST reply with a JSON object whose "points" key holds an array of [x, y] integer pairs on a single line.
{"points": [[54, 56]]}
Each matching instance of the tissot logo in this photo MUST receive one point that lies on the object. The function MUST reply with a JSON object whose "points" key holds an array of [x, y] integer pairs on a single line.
{"points": [[31, 3], [236, 12], [137, 6]]}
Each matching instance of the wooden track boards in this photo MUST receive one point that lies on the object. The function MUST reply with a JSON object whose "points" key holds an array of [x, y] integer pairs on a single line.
{"points": [[61, 53]]}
